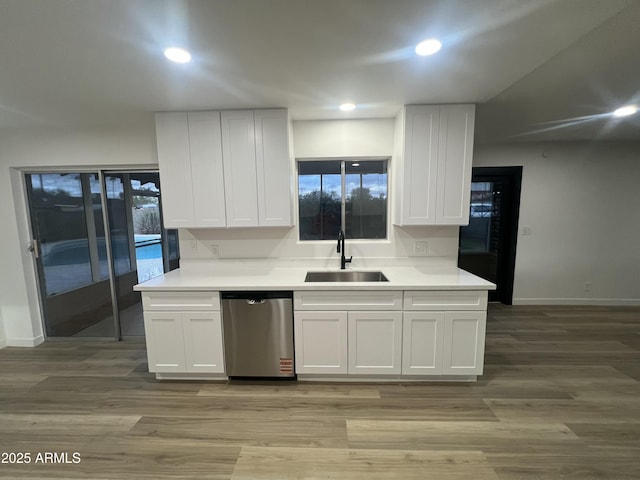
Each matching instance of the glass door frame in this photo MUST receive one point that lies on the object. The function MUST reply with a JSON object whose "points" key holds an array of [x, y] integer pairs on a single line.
{"points": [[101, 172], [511, 177]]}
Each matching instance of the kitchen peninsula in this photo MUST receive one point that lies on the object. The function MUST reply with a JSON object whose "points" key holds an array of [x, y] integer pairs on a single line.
{"points": [[424, 323]]}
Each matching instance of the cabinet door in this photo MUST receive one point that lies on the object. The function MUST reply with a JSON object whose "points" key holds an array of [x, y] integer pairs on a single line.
{"points": [[375, 342], [422, 337], [419, 176], [273, 167], [172, 133], [455, 148], [203, 342], [321, 342], [205, 139], [165, 341], [463, 351], [239, 159]]}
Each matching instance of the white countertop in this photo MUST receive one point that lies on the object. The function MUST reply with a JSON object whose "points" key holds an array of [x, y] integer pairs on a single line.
{"points": [[264, 276]]}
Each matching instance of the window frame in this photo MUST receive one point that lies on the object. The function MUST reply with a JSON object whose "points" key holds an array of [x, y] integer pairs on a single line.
{"points": [[343, 187]]}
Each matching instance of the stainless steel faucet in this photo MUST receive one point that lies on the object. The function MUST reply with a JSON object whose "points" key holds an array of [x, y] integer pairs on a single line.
{"points": [[343, 259]]}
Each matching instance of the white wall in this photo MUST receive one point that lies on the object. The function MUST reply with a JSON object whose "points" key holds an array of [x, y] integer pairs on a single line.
{"points": [[133, 145], [328, 139], [3, 338], [338, 138], [582, 204]]}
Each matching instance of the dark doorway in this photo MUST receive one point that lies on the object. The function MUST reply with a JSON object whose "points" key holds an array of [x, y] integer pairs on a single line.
{"points": [[488, 244]]}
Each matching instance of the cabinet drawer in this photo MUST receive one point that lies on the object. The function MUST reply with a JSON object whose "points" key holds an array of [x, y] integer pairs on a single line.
{"points": [[181, 300], [445, 300], [350, 300]]}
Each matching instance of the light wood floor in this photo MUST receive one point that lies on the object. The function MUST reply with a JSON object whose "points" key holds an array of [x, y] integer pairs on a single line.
{"points": [[560, 398]]}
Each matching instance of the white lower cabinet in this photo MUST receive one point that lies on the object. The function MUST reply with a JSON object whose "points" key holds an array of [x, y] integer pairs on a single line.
{"points": [[375, 342], [184, 342], [341, 342], [423, 336], [321, 342], [203, 344], [443, 343], [463, 349], [412, 333], [164, 335], [348, 332], [183, 332]]}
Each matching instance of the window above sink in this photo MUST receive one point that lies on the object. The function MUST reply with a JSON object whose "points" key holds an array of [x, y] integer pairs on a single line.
{"points": [[343, 194]]}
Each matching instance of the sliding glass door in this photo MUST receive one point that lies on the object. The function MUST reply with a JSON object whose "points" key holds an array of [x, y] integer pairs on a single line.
{"points": [[88, 264], [69, 245]]}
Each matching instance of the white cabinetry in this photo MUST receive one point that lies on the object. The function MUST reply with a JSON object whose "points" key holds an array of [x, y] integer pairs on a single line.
{"points": [[444, 332], [321, 342], [411, 333], [463, 350], [433, 151], [164, 335], [273, 168], [191, 171], [239, 153], [455, 155], [183, 332], [225, 169], [423, 337], [257, 168], [375, 342], [348, 332]]}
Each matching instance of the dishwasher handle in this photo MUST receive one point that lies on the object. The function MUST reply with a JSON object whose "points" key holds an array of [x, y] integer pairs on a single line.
{"points": [[258, 296]]}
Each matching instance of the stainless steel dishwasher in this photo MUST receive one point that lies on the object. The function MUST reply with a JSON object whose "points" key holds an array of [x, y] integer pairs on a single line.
{"points": [[258, 334]]}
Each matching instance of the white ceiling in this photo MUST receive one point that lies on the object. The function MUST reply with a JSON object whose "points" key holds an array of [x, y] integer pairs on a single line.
{"points": [[72, 63]]}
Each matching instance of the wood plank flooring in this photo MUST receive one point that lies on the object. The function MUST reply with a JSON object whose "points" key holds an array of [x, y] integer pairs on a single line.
{"points": [[560, 399]]}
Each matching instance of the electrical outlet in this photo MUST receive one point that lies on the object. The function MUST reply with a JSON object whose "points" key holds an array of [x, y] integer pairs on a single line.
{"points": [[587, 286], [193, 244], [214, 248], [526, 231], [420, 248]]}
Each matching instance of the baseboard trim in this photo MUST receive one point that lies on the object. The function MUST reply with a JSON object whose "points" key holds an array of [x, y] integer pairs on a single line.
{"points": [[191, 376], [597, 302], [386, 379], [25, 342]]}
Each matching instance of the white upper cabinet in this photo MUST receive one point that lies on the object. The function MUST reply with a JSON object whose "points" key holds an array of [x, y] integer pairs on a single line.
{"points": [[257, 168], [416, 174], [455, 154], [239, 153], [190, 159], [432, 169], [172, 132], [225, 169], [206, 169], [273, 168]]}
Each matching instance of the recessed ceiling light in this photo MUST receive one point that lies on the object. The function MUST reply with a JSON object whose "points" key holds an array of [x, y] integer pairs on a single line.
{"points": [[347, 107], [178, 55], [428, 47], [356, 164], [625, 111]]}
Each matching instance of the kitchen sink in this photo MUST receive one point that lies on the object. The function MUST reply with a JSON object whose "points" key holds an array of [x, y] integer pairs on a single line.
{"points": [[345, 276]]}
